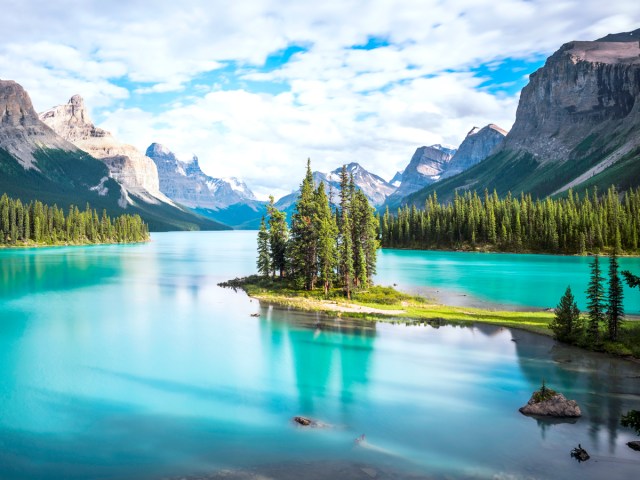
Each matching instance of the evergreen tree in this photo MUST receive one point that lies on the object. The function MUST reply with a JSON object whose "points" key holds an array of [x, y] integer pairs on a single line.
{"points": [[264, 254], [327, 233], [595, 306], [615, 309], [632, 280], [566, 324], [345, 240], [304, 236], [278, 236]]}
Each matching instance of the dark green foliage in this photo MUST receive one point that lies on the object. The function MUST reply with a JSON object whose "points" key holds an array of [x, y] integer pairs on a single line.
{"points": [[566, 325], [595, 305], [37, 223], [338, 248], [631, 420], [264, 256], [632, 280], [575, 224], [615, 309], [278, 238]]}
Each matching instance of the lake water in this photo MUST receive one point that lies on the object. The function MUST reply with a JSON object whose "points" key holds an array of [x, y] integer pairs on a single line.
{"points": [[128, 362]]}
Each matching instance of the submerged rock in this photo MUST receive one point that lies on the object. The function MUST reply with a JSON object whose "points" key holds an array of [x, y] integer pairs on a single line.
{"points": [[580, 454], [556, 406], [305, 422], [635, 445]]}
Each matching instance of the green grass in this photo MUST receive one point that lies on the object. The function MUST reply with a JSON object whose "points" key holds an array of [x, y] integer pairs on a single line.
{"points": [[411, 309]]}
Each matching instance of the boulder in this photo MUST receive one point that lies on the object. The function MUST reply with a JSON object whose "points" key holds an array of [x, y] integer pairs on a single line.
{"points": [[635, 445], [556, 406], [305, 422], [580, 454]]}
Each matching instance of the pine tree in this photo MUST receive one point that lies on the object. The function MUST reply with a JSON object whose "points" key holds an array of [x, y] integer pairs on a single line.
{"points": [[303, 241], [566, 324], [615, 309], [278, 236], [595, 306], [327, 233], [264, 256], [345, 240]]}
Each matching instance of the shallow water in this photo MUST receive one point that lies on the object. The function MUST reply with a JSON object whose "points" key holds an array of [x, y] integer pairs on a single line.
{"points": [[128, 362]]}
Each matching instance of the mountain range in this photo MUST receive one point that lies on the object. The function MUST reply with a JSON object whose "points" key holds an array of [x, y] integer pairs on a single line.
{"points": [[577, 126]]}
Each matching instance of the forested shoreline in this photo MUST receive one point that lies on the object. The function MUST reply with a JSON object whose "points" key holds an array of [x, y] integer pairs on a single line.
{"points": [[35, 223], [577, 224]]}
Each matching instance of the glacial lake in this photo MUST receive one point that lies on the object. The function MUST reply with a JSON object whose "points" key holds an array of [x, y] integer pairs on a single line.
{"points": [[129, 362]]}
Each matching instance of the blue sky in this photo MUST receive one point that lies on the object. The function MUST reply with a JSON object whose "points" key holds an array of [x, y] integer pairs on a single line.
{"points": [[255, 87]]}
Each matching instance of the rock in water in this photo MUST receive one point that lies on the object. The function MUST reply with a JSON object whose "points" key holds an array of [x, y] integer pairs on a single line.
{"points": [[580, 454], [304, 421], [556, 406], [634, 445]]}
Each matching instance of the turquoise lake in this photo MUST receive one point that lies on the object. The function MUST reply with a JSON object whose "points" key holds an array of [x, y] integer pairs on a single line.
{"points": [[129, 362]]}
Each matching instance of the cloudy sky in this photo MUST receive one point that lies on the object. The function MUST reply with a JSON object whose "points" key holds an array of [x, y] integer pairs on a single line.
{"points": [[254, 87]]}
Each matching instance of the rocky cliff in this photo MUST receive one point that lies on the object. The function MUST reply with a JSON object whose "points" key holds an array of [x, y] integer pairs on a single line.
{"points": [[136, 172], [21, 131], [185, 183], [426, 167], [577, 126], [477, 145]]}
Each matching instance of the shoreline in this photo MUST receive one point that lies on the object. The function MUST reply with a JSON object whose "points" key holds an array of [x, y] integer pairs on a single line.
{"points": [[388, 305], [528, 252], [53, 245]]}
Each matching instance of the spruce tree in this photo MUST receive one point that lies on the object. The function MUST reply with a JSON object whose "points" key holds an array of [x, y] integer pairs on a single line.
{"points": [[345, 240], [615, 309], [278, 236], [632, 280], [304, 236], [595, 305], [566, 325], [264, 256], [327, 233]]}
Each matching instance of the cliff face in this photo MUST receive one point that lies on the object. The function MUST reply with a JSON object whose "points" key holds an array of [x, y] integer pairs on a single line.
{"points": [[21, 131], [136, 172], [478, 145], [426, 167], [186, 183], [577, 126]]}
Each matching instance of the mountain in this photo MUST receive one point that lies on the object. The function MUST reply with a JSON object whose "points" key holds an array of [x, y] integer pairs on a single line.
{"points": [[374, 187], [136, 172], [577, 125], [227, 200], [426, 167], [36, 163], [477, 145], [396, 180]]}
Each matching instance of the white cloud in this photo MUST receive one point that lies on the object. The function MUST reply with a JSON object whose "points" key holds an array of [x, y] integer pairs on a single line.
{"points": [[371, 106]]}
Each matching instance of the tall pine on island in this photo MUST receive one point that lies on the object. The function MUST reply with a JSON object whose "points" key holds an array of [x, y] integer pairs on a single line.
{"points": [[325, 246]]}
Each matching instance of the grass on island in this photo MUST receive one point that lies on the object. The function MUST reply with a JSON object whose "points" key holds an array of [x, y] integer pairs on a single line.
{"points": [[388, 304]]}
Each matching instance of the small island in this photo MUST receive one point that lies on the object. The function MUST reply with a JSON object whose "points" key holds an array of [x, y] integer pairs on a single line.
{"points": [[549, 403]]}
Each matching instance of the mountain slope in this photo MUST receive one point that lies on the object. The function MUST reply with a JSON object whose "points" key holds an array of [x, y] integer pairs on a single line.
{"points": [[577, 121], [36, 163], [227, 200], [477, 145]]}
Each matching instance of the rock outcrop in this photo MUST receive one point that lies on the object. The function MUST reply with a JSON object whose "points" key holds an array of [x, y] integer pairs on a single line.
{"points": [[426, 167], [136, 172], [477, 145], [577, 126], [634, 445], [21, 131], [556, 406], [185, 183]]}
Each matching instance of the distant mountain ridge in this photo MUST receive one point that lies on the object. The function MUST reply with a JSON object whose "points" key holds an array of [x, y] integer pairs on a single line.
{"points": [[38, 164], [577, 126]]}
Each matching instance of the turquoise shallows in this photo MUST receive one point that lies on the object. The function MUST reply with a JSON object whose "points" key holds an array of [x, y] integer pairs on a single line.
{"points": [[127, 361]]}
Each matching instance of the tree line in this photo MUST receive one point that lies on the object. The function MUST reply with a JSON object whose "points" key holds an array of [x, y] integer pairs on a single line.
{"points": [[37, 223], [573, 224], [325, 246]]}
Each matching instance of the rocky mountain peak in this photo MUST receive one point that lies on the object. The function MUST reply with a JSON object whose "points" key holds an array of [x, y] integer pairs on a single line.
{"points": [[136, 172], [21, 131], [477, 145]]}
